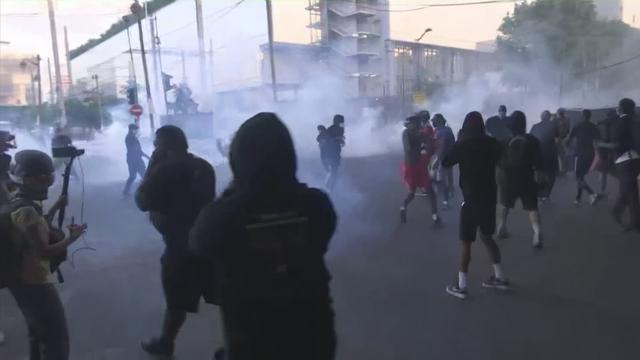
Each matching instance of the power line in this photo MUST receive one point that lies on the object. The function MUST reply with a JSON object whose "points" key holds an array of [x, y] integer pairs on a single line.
{"points": [[426, 6], [619, 63]]}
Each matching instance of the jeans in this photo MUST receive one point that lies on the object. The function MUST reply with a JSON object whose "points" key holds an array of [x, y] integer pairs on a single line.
{"points": [[136, 168], [46, 322]]}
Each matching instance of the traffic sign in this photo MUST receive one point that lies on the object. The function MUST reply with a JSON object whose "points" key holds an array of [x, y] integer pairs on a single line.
{"points": [[135, 110]]}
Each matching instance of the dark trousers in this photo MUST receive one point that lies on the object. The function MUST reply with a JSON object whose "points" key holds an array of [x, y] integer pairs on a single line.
{"points": [[550, 181], [136, 168], [46, 322], [628, 197]]}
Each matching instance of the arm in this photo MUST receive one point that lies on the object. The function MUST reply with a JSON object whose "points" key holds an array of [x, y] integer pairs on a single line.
{"points": [[35, 228], [453, 156]]}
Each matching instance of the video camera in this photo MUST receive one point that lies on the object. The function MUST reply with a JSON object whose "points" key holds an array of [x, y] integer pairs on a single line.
{"points": [[66, 152]]}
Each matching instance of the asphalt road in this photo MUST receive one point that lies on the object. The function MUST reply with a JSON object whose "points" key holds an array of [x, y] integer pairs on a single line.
{"points": [[577, 299]]}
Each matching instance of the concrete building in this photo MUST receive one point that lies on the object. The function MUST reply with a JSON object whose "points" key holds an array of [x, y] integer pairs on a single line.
{"points": [[609, 9], [354, 33], [18, 80]]}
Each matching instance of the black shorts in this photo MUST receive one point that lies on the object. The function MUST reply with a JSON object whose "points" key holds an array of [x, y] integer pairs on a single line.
{"points": [[526, 191], [180, 283], [474, 217]]}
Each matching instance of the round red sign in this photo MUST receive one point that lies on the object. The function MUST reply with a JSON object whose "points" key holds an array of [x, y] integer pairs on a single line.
{"points": [[135, 110]]}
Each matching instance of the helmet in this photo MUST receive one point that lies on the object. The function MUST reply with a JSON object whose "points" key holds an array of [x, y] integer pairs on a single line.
{"points": [[28, 163]]}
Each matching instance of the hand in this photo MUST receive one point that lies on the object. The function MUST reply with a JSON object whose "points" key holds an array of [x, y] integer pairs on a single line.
{"points": [[76, 231]]}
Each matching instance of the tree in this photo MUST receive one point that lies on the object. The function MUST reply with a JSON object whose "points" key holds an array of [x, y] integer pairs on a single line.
{"points": [[559, 40]]}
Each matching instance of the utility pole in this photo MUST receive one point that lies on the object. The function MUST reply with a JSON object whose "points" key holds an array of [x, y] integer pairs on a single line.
{"points": [[211, 65], [56, 62], [154, 49], [132, 68], [200, 27], [68, 54], [136, 9], [38, 59], [98, 98], [184, 68], [271, 55], [51, 88]]}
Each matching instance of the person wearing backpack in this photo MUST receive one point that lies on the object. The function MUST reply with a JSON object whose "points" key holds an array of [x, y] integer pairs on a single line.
{"points": [[477, 155], [175, 188], [25, 266], [521, 167], [264, 241], [545, 131]]}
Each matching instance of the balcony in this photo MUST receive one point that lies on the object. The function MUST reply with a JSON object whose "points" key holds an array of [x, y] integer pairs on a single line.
{"points": [[349, 9]]}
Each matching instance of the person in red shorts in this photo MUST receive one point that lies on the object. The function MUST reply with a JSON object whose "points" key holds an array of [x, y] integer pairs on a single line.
{"points": [[414, 167]]}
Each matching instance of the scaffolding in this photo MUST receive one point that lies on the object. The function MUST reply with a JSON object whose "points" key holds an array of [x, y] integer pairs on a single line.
{"points": [[315, 21]]}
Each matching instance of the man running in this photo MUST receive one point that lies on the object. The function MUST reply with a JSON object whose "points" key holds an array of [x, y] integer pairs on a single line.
{"points": [[335, 142], [585, 134], [444, 140], [563, 127], [545, 131], [477, 154], [414, 168], [605, 149], [134, 157], [521, 162]]}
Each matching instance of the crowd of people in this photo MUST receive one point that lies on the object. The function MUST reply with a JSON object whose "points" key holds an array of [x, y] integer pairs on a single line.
{"points": [[501, 163], [257, 250]]}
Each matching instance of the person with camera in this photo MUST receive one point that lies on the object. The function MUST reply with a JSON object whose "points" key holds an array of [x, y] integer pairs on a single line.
{"points": [[264, 241], [520, 177], [135, 156], [176, 187], [26, 265]]}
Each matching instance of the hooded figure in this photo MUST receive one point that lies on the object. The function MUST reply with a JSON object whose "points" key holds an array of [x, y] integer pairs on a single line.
{"points": [[265, 242], [477, 155], [545, 131]]}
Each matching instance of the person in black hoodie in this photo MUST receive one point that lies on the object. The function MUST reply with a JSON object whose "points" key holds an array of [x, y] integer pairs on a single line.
{"points": [[335, 141], [176, 187], [521, 167], [585, 134], [627, 163], [265, 241], [545, 131], [477, 154]]}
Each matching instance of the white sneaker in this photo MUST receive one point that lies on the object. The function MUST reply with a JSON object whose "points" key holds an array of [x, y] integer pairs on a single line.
{"points": [[537, 240], [577, 203], [594, 199]]}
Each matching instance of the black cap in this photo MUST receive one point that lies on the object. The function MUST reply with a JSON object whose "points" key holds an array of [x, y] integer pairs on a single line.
{"points": [[28, 163]]}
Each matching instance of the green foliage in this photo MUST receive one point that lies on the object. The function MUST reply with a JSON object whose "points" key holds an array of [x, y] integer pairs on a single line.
{"points": [[117, 27], [559, 38]]}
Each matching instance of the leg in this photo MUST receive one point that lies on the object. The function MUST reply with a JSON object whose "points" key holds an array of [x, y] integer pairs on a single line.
{"points": [[634, 200], [465, 258], [503, 213], [468, 229], [534, 218], [433, 202], [173, 321], [603, 181], [624, 192], [132, 177]]}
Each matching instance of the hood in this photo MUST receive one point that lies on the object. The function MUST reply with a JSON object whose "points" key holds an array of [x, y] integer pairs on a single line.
{"points": [[518, 123], [473, 125], [262, 155]]}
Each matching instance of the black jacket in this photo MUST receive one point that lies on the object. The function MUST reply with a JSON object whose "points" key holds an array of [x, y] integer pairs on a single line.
{"points": [[545, 132], [174, 192], [265, 241]]}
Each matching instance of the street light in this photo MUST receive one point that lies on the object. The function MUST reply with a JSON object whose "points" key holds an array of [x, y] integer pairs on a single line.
{"points": [[427, 30]]}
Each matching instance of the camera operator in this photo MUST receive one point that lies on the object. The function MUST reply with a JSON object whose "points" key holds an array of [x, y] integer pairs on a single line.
{"points": [[30, 231], [176, 187], [264, 242]]}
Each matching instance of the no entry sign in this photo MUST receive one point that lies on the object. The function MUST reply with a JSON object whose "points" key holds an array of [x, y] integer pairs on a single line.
{"points": [[135, 110]]}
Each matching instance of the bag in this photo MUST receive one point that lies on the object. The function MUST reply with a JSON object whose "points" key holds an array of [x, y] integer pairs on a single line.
{"points": [[11, 254], [516, 152]]}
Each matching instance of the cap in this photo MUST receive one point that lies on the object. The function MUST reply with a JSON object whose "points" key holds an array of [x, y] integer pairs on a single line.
{"points": [[28, 163]]}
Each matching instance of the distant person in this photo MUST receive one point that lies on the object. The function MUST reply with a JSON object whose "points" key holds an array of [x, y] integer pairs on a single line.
{"points": [[443, 176], [585, 134], [627, 164], [335, 142], [35, 295], [521, 162], [414, 168], [265, 241], [175, 188], [545, 131], [563, 128], [135, 156], [325, 145], [477, 155], [498, 126], [605, 149]]}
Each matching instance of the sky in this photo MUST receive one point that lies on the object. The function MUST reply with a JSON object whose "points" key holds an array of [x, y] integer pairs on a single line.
{"points": [[24, 23]]}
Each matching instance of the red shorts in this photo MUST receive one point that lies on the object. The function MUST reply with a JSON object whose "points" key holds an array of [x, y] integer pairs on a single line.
{"points": [[416, 176]]}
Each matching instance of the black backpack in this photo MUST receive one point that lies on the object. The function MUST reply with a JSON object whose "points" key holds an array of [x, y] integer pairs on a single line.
{"points": [[11, 253], [516, 151]]}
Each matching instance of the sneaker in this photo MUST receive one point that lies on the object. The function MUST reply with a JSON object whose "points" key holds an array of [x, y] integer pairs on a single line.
{"points": [[594, 199], [577, 203], [537, 241], [437, 221], [403, 215], [495, 283], [157, 347], [445, 205], [542, 200], [454, 290]]}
